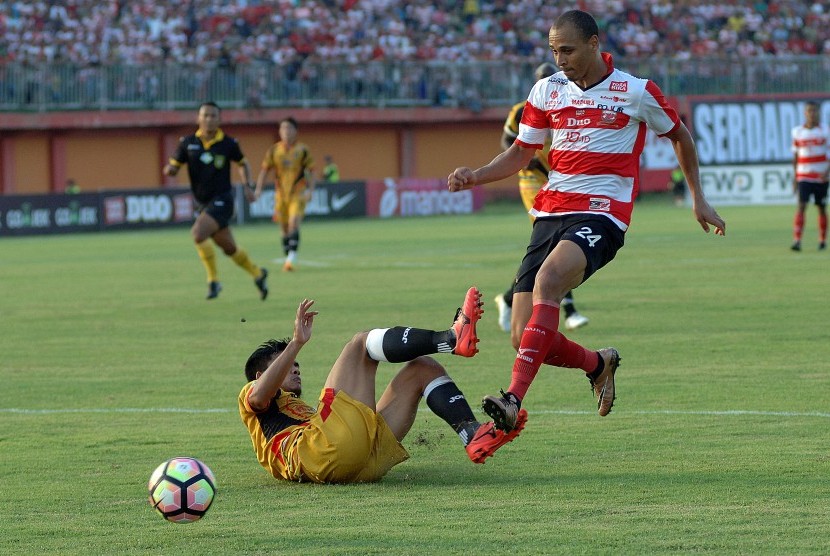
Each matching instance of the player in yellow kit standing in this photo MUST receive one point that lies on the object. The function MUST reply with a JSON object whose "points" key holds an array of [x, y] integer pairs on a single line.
{"points": [[293, 168]]}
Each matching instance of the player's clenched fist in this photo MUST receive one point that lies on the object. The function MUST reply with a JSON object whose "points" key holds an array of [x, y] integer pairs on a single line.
{"points": [[461, 179]]}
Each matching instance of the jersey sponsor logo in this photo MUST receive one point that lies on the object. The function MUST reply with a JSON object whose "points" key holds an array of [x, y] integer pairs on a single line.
{"points": [[599, 203], [618, 86], [534, 329], [608, 117], [524, 358], [583, 102], [578, 122], [206, 158], [558, 80], [614, 98], [340, 201], [553, 100], [528, 350], [576, 137]]}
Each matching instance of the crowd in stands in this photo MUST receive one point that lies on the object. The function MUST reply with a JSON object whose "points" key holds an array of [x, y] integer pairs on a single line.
{"points": [[230, 32]]}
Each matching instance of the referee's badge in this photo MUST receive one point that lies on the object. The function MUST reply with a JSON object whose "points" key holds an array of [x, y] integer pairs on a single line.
{"points": [[219, 161], [206, 157]]}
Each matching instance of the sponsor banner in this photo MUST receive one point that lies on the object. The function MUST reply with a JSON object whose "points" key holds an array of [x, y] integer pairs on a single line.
{"points": [[770, 184], [419, 197], [48, 214], [748, 132], [146, 208], [345, 199]]}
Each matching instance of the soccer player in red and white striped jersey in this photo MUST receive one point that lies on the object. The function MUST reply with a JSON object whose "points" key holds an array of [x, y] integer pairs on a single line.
{"points": [[810, 172], [597, 118]]}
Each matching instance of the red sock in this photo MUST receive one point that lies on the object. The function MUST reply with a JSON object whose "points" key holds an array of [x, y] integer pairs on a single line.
{"points": [[798, 226], [537, 338], [822, 227], [565, 353]]}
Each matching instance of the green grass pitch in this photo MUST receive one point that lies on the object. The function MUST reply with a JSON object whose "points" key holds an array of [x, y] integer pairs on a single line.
{"points": [[112, 362]]}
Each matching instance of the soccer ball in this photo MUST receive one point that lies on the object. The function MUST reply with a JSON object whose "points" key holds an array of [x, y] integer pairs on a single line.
{"points": [[182, 489]]}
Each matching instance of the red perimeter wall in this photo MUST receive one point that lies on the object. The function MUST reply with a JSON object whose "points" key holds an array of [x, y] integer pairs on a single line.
{"points": [[115, 150], [127, 149]]}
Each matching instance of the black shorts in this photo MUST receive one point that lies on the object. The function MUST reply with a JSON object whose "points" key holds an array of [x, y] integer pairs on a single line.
{"points": [[220, 208], [818, 191], [597, 236]]}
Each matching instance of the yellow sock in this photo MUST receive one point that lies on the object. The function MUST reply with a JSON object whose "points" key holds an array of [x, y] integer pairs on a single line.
{"points": [[241, 259], [206, 253]]}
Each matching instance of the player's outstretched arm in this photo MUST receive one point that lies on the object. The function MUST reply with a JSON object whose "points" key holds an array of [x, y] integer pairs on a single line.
{"points": [[503, 166], [269, 382], [304, 322], [684, 148]]}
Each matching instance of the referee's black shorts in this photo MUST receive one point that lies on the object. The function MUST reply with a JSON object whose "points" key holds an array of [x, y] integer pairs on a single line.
{"points": [[220, 208]]}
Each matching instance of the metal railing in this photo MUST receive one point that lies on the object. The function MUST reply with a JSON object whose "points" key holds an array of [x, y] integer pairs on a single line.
{"points": [[472, 85]]}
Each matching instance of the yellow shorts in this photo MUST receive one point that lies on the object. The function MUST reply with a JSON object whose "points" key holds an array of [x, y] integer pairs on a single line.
{"points": [[285, 209], [346, 442], [529, 186]]}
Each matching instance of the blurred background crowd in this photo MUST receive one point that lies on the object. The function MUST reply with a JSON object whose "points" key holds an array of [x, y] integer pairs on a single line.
{"points": [[229, 32], [104, 54]]}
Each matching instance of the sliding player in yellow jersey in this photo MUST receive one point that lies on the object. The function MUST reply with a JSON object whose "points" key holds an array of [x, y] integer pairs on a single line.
{"points": [[350, 437]]}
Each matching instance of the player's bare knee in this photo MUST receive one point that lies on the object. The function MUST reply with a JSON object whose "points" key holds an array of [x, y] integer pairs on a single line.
{"points": [[428, 367], [421, 371], [358, 344]]}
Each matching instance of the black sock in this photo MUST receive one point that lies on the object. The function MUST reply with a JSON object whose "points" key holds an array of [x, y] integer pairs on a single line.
{"points": [[510, 396], [600, 366], [294, 240], [568, 304], [447, 402], [508, 296], [406, 343], [285, 245]]}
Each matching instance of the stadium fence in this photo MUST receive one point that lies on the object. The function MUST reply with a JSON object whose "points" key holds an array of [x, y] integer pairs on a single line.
{"points": [[474, 85]]}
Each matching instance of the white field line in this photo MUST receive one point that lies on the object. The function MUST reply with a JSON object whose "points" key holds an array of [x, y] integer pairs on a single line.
{"points": [[197, 411]]}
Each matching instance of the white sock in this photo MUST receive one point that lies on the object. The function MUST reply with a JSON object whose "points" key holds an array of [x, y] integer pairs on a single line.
{"points": [[374, 344]]}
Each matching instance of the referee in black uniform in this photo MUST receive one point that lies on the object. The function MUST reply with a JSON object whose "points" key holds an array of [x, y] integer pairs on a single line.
{"points": [[208, 154]]}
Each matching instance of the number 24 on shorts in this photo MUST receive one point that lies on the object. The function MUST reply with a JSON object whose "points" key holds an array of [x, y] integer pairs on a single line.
{"points": [[588, 235]]}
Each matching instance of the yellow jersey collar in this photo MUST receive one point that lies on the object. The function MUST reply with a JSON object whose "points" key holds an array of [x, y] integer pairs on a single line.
{"points": [[216, 138]]}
